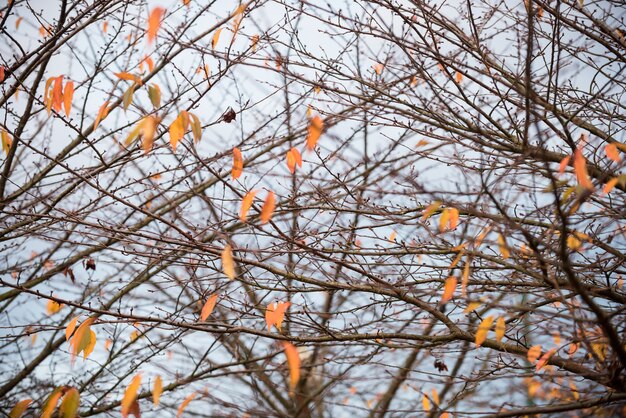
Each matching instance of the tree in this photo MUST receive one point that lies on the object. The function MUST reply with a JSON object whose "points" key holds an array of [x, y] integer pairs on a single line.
{"points": [[305, 209]]}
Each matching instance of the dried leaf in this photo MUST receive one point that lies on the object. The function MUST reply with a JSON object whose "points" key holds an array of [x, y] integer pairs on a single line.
{"points": [[449, 289], [275, 314], [293, 361], [130, 395], [237, 163], [127, 99], [196, 128], [228, 264], [430, 209], [316, 126], [268, 208], [483, 329], [246, 204], [154, 23], [102, 114], [208, 307], [471, 307]]}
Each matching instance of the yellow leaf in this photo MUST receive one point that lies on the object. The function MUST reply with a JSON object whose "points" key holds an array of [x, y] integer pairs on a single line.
{"points": [[228, 264], [216, 38], [466, 274], [443, 220], [425, 403], [533, 353], [449, 289], [183, 405], [154, 94], [237, 18], [293, 361], [613, 153], [504, 248], [573, 242], [154, 23], [208, 307], [268, 208], [157, 390], [500, 329], [53, 307], [246, 204], [580, 169], [19, 408], [70, 327], [237, 163], [69, 405], [255, 41], [127, 99], [82, 339], [90, 345], [177, 131], [471, 307], [316, 126], [68, 95], [7, 141], [483, 329], [544, 359], [196, 128], [430, 209], [435, 396], [130, 395]]}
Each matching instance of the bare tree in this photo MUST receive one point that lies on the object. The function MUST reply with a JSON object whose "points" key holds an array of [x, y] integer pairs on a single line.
{"points": [[306, 209]]}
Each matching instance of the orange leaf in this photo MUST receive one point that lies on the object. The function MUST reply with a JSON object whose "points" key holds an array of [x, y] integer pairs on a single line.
{"points": [[459, 76], [102, 114], [246, 204], [68, 95], [465, 277], [275, 314], [454, 218], [177, 131], [216, 38], [564, 163], [425, 403], [130, 395], [148, 129], [255, 41], [129, 77], [82, 340], [483, 329], [53, 307], [57, 93], [613, 153], [449, 289], [183, 405], [504, 248], [444, 219], [316, 126], [70, 327], [610, 185], [580, 169], [237, 163], [228, 264], [533, 353], [17, 24], [157, 389], [208, 307], [293, 360], [51, 403], [500, 329], [293, 158], [544, 359], [268, 208], [378, 68], [19, 408], [154, 23]]}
